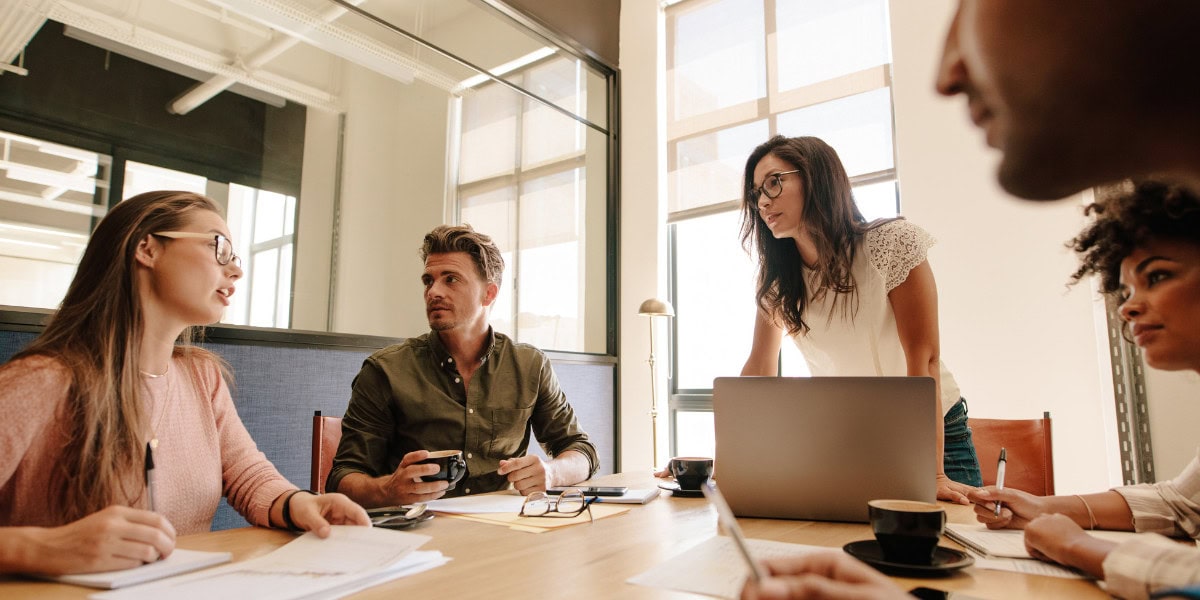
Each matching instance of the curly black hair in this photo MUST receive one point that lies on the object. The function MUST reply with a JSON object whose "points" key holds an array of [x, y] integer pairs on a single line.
{"points": [[1152, 209]]}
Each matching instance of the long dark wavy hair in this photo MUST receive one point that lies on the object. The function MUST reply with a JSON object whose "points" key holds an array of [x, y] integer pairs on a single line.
{"points": [[1127, 220], [831, 218], [96, 333]]}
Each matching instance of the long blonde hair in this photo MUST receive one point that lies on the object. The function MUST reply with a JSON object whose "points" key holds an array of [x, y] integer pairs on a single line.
{"points": [[96, 333]]}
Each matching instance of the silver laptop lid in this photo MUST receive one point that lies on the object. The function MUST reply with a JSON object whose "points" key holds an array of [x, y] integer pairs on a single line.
{"points": [[818, 448]]}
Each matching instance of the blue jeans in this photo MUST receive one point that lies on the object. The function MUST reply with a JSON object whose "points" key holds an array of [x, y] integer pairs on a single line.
{"points": [[958, 451]]}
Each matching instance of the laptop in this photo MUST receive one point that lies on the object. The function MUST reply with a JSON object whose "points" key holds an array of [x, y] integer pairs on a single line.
{"points": [[818, 448]]}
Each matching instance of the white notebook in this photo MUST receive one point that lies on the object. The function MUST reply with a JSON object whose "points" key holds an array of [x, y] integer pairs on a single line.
{"points": [[180, 561], [1010, 543], [631, 496]]}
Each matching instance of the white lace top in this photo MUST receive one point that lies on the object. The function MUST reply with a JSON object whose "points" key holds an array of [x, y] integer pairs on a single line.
{"points": [[842, 342]]}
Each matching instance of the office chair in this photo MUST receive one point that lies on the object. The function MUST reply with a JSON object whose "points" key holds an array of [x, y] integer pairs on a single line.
{"points": [[327, 432], [1030, 455]]}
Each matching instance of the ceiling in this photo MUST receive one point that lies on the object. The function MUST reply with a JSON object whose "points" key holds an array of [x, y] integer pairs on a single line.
{"points": [[287, 49]]}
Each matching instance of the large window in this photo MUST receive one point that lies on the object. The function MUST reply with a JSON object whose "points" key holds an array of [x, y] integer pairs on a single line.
{"points": [[53, 195], [528, 176], [738, 72]]}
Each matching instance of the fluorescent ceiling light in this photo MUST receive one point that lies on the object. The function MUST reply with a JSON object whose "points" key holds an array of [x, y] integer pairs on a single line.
{"points": [[29, 243], [504, 69], [145, 39], [169, 65], [40, 176], [301, 22], [43, 230]]}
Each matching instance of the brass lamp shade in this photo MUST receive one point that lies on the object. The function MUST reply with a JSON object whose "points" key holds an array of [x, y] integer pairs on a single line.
{"points": [[656, 308]]}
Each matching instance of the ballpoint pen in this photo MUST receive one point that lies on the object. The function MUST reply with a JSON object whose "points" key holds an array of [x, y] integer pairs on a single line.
{"points": [[149, 476], [1000, 476], [725, 515]]}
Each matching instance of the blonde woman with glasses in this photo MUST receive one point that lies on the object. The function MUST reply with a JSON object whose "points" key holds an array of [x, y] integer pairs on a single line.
{"points": [[114, 381], [857, 298]]}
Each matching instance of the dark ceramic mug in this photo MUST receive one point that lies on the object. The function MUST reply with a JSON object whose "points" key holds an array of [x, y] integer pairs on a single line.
{"points": [[451, 466], [690, 472], [908, 531]]}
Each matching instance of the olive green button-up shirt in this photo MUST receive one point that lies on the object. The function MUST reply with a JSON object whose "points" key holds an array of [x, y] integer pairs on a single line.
{"points": [[410, 396]]}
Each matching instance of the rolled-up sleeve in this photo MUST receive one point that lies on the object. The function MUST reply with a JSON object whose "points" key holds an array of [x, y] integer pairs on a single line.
{"points": [[367, 427], [1140, 567], [555, 423], [1171, 507]]}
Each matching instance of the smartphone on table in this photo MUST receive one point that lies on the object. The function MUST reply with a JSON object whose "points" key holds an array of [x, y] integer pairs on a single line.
{"points": [[591, 490]]}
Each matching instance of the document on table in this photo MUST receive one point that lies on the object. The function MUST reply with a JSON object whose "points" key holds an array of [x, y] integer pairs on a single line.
{"points": [[714, 567], [1029, 567], [180, 561], [1010, 543], [309, 568], [479, 503]]}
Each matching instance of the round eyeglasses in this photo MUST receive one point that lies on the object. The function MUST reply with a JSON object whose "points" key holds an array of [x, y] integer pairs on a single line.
{"points": [[771, 186], [223, 248]]}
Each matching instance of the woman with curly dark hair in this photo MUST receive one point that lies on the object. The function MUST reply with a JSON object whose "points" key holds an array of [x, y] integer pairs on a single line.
{"points": [[856, 297], [1145, 247]]}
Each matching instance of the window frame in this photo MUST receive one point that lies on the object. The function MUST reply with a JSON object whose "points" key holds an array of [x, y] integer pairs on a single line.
{"points": [[766, 109], [569, 162]]}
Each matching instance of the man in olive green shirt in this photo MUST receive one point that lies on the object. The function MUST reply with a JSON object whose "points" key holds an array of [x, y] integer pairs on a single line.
{"points": [[461, 386]]}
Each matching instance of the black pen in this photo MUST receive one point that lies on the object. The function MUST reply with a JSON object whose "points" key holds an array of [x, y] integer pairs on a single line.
{"points": [[149, 476], [1000, 476]]}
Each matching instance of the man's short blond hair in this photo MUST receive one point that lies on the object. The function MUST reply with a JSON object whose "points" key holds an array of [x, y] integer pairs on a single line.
{"points": [[463, 238]]}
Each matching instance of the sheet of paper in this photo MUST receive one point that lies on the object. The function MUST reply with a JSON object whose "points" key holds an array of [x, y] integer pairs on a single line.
{"points": [[308, 567], [480, 503], [714, 567], [1010, 543], [347, 550], [1029, 566], [180, 561]]}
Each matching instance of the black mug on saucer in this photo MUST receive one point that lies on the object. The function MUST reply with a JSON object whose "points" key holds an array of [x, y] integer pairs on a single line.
{"points": [[908, 531], [451, 466], [691, 472]]}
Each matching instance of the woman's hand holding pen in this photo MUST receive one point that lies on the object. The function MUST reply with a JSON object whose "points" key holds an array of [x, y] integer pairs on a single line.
{"points": [[117, 537], [1017, 508]]}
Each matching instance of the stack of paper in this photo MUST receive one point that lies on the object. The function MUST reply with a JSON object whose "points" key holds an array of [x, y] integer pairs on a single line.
{"points": [[180, 561], [349, 560]]}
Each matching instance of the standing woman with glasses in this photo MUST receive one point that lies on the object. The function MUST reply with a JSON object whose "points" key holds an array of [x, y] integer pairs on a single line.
{"points": [[857, 298], [112, 380]]}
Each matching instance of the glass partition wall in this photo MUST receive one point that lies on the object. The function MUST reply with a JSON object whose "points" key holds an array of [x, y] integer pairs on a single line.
{"points": [[335, 135]]}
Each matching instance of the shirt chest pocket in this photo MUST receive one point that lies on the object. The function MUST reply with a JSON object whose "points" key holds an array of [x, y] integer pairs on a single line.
{"points": [[510, 432]]}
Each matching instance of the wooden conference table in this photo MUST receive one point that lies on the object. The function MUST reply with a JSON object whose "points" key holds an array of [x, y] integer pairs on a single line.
{"points": [[593, 560]]}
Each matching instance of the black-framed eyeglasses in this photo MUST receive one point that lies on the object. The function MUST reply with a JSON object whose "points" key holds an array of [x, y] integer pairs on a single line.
{"points": [[771, 186], [223, 249], [569, 504]]}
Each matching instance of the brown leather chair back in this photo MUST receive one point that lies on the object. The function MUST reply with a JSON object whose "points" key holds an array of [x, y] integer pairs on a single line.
{"points": [[327, 432], [1028, 449]]}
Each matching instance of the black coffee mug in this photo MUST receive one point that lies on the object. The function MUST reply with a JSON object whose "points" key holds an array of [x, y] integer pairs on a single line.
{"points": [[908, 531], [451, 466], [691, 472]]}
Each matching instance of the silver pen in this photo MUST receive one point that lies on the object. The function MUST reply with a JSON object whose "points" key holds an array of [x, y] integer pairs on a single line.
{"points": [[725, 516], [1000, 476]]}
